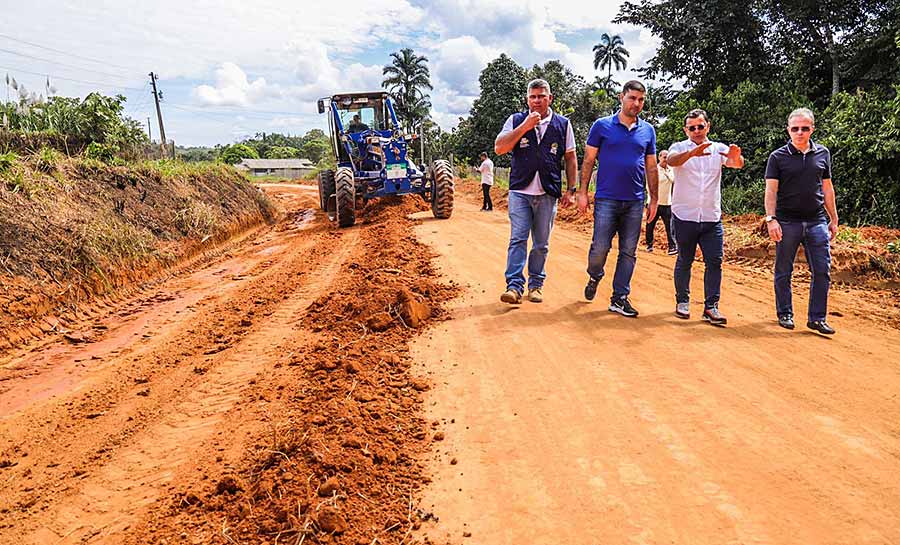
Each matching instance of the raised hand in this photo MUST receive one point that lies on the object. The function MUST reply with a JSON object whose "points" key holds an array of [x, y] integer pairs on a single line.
{"points": [[734, 153], [531, 121]]}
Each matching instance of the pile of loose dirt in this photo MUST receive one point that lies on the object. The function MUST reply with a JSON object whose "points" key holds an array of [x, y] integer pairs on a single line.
{"points": [[78, 229], [344, 465]]}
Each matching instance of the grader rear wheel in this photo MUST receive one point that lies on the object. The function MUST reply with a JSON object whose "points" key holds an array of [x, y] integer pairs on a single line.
{"points": [[442, 192], [345, 197], [326, 188]]}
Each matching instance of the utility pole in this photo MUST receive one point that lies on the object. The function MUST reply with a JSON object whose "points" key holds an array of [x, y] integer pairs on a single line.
{"points": [[162, 130], [149, 132]]}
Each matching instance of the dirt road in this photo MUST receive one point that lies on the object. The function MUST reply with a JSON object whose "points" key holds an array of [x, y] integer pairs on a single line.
{"points": [[574, 425], [271, 396]]}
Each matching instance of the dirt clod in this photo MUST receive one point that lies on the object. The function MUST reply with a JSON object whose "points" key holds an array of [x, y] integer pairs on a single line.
{"points": [[329, 487], [331, 520], [228, 485], [380, 321]]}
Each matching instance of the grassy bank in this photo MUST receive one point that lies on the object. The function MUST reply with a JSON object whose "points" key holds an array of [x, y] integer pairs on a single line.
{"points": [[72, 229]]}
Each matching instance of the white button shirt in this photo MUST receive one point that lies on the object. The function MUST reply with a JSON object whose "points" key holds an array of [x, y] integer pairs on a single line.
{"points": [[697, 192]]}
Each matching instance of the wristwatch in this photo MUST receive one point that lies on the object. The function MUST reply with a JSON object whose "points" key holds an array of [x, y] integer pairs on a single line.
{"points": [[770, 218], [572, 189]]}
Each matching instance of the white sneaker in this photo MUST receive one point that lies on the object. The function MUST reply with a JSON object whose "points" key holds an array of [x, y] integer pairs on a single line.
{"points": [[683, 310]]}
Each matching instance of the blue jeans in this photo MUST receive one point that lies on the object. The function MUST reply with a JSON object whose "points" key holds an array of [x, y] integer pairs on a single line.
{"points": [[612, 217], [711, 238], [528, 214], [815, 237]]}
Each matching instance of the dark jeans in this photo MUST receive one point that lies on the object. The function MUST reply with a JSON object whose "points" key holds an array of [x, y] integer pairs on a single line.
{"points": [[612, 217], [665, 212], [487, 204], [816, 242], [711, 238]]}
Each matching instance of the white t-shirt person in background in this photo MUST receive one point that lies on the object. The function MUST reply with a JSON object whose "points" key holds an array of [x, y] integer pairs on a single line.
{"points": [[487, 180]]}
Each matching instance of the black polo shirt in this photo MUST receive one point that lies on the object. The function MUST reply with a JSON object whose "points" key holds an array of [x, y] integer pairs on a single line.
{"points": [[800, 175]]}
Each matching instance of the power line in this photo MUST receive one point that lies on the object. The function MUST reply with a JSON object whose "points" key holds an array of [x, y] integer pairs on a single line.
{"points": [[237, 111], [59, 63], [63, 52], [94, 83]]}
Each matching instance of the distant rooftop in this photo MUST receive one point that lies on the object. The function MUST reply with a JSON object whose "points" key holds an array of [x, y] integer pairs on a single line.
{"points": [[253, 164]]}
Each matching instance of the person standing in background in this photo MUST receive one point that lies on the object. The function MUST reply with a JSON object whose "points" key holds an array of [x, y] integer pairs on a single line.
{"points": [[487, 180], [664, 210]]}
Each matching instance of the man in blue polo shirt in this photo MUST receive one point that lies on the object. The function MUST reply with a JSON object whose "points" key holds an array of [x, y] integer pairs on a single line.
{"points": [[540, 141], [801, 209], [624, 148]]}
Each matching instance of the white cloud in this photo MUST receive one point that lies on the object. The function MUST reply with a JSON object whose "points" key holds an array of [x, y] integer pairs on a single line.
{"points": [[458, 62], [232, 88], [281, 55]]}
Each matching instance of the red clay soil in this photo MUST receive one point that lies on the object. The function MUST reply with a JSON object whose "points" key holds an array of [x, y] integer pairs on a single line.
{"points": [[265, 398]]}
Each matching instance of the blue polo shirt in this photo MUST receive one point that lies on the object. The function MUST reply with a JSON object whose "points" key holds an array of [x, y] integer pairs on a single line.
{"points": [[621, 157]]}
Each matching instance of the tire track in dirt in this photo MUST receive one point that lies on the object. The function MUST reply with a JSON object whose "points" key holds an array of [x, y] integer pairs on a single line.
{"points": [[134, 478], [51, 448]]}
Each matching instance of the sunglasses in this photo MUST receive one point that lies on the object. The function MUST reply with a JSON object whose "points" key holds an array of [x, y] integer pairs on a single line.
{"points": [[692, 128], [800, 129]]}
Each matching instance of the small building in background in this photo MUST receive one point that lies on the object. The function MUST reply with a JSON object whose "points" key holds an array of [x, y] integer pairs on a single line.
{"points": [[285, 168]]}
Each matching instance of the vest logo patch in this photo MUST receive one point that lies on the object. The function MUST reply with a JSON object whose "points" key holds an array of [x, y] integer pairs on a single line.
{"points": [[523, 143], [553, 147]]}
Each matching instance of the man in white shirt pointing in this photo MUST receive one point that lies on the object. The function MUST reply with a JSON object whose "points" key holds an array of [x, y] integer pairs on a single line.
{"points": [[697, 212]]}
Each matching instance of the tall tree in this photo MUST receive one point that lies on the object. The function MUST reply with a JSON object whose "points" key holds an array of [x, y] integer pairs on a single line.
{"points": [[503, 92], [610, 52], [707, 43], [816, 33], [406, 78]]}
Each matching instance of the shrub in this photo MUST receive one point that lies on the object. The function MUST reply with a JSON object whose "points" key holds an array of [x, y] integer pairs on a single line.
{"points": [[105, 153], [6, 161], [235, 153], [47, 159]]}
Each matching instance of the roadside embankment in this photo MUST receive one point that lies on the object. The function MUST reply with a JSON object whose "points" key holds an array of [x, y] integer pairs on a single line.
{"points": [[75, 230]]}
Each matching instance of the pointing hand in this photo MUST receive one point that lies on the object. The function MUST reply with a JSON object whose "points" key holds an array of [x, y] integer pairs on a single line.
{"points": [[700, 151]]}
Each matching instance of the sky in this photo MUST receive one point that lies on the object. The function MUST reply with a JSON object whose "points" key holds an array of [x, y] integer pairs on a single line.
{"points": [[229, 70]]}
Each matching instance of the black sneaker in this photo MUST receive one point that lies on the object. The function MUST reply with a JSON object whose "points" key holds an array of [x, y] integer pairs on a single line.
{"points": [[590, 290], [623, 307], [672, 251], [821, 326], [786, 321], [649, 249]]}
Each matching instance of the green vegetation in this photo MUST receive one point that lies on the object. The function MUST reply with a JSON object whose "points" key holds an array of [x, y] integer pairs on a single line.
{"points": [[849, 235], [75, 123], [234, 153], [283, 152]]}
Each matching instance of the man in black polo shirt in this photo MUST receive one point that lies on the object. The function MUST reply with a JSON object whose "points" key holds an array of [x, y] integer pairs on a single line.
{"points": [[800, 209]]}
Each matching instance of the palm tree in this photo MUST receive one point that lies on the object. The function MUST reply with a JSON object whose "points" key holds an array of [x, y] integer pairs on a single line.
{"points": [[609, 52], [406, 78]]}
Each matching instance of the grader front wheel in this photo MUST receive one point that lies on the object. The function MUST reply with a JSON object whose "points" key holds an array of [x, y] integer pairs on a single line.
{"points": [[345, 197]]}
